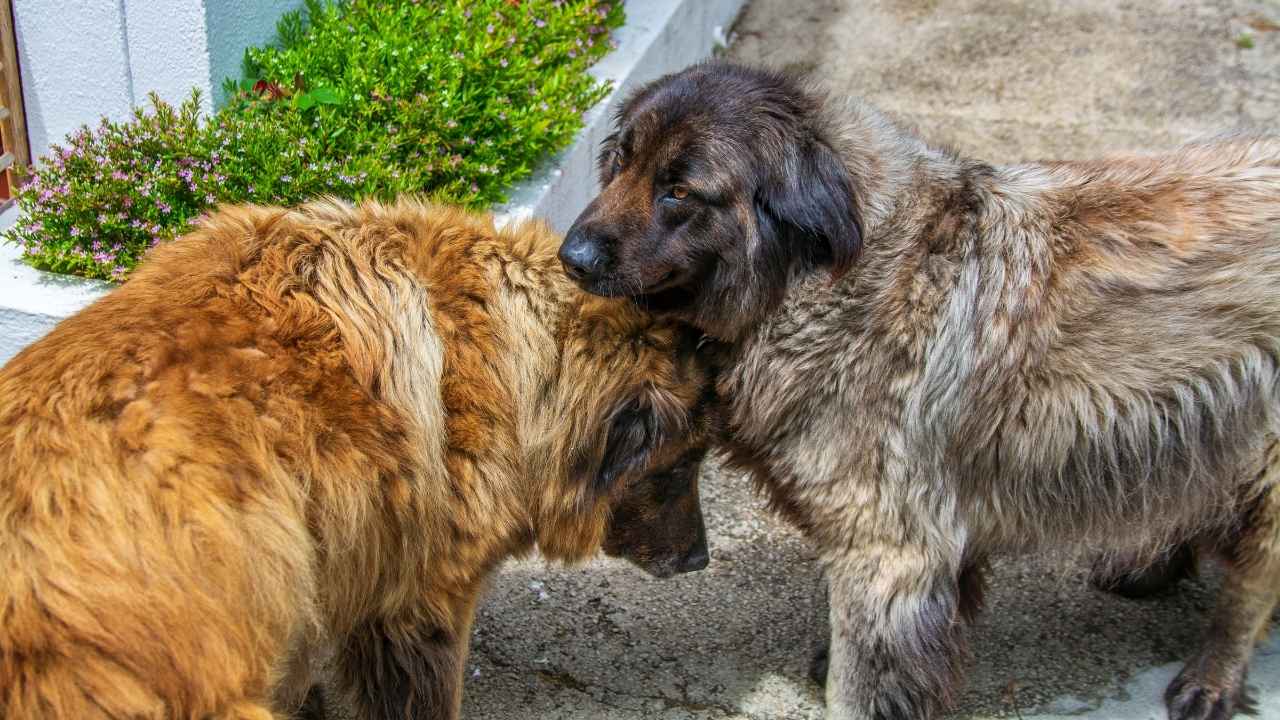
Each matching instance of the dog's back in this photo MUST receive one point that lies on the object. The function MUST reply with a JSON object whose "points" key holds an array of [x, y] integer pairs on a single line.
{"points": [[1126, 327], [154, 548]]}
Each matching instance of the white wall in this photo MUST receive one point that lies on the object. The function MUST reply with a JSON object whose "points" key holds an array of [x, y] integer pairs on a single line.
{"points": [[234, 25], [74, 65], [82, 59]]}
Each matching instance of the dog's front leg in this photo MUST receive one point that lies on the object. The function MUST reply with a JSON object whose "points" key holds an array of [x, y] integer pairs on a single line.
{"points": [[896, 634], [398, 669]]}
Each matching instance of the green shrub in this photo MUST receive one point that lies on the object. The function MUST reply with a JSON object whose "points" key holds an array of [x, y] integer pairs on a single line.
{"points": [[95, 205], [360, 98]]}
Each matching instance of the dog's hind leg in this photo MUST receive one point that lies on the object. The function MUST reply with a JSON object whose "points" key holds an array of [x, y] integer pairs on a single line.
{"points": [[1212, 685]]}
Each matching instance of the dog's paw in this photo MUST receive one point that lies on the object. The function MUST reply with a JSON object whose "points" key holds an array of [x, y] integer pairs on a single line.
{"points": [[819, 664], [1189, 697]]}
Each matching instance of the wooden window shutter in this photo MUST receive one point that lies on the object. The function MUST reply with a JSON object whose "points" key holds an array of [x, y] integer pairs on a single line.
{"points": [[15, 151]]}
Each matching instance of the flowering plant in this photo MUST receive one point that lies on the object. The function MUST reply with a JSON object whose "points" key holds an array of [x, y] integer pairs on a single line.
{"points": [[96, 204], [455, 99]]}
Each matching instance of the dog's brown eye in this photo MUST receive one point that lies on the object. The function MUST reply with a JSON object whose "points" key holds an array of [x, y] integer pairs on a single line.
{"points": [[617, 162], [679, 192]]}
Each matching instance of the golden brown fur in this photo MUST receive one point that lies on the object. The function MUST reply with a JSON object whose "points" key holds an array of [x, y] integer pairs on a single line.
{"points": [[305, 432], [929, 360]]}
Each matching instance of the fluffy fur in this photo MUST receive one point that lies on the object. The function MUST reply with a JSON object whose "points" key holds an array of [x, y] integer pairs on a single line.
{"points": [[312, 432], [929, 359]]}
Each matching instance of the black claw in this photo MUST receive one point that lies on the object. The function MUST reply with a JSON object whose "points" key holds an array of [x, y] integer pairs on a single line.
{"points": [[1247, 702]]}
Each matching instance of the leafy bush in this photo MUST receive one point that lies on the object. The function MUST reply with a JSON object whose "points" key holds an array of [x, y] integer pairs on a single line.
{"points": [[98, 203], [451, 98]]}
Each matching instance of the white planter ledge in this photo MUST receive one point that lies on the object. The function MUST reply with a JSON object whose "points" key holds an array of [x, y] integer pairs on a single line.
{"points": [[659, 37], [32, 301]]}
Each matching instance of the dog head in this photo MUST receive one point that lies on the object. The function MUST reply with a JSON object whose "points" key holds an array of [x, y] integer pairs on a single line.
{"points": [[718, 184], [647, 418], [656, 521]]}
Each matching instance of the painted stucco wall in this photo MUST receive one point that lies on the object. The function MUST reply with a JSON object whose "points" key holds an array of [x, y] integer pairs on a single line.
{"points": [[234, 25], [82, 59], [74, 66]]}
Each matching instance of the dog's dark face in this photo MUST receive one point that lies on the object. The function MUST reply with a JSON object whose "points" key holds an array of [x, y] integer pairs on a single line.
{"points": [[657, 523], [653, 459], [718, 184]]}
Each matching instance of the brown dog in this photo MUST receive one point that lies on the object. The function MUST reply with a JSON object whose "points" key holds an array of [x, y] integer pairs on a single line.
{"points": [[929, 360], [297, 433]]}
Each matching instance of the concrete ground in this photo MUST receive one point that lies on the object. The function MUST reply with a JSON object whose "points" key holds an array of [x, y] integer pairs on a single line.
{"points": [[1004, 81]]}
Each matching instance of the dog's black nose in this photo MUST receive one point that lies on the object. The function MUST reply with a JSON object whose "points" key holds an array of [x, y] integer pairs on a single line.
{"points": [[581, 256], [697, 558]]}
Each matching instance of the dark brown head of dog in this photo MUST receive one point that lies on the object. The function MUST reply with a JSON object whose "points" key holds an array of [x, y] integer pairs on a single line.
{"points": [[719, 184], [657, 521], [645, 464]]}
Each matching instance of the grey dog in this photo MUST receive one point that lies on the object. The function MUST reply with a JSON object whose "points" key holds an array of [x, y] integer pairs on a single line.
{"points": [[929, 360]]}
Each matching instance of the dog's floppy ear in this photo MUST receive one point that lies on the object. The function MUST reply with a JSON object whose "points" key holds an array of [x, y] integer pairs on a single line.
{"points": [[810, 200], [629, 432], [631, 435], [632, 431]]}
